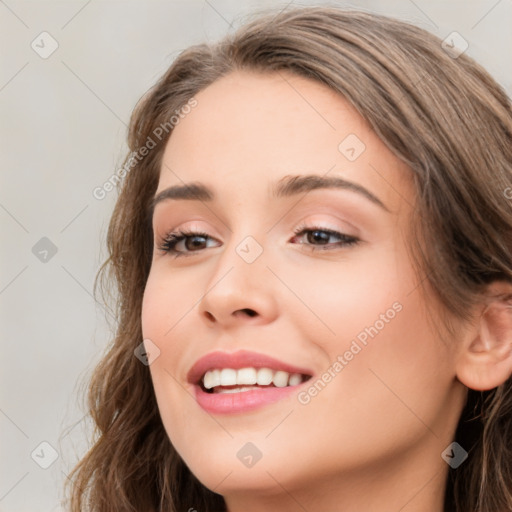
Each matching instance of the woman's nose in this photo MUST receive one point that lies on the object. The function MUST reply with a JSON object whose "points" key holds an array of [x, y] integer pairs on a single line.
{"points": [[240, 290]]}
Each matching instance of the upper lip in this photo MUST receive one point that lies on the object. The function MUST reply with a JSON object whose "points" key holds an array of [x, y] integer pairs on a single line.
{"points": [[237, 360]]}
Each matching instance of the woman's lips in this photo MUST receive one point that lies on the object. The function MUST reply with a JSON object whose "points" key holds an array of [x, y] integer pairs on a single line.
{"points": [[242, 401]]}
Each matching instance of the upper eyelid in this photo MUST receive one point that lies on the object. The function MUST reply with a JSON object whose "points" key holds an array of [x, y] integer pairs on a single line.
{"points": [[302, 227], [307, 224]]}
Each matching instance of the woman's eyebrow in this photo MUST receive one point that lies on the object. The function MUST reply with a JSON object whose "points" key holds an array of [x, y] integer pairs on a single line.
{"points": [[285, 187], [291, 185]]}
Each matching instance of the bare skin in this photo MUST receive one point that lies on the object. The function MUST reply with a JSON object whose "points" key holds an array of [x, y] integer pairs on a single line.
{"points": [[371, 439]]}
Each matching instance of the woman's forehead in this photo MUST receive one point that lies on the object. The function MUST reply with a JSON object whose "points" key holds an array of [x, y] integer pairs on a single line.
{"points": [[252, 129]]}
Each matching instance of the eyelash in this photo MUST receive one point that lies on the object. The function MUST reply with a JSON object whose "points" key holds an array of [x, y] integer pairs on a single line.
{"points": [[170, 241]]}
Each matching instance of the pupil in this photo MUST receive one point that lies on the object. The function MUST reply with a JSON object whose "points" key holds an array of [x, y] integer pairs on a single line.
{"points": [[194, 241], [320, 236]]}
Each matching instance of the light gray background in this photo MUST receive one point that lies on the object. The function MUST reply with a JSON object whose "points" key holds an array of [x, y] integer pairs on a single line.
{"points": [[62, 134]]}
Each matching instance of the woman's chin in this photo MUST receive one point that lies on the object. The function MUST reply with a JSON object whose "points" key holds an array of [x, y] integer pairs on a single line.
{"points": [[247, 471], [242, 480]]}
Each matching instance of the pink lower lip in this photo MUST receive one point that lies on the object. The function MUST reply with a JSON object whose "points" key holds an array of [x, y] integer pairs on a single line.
{"points": [[231, 403]]}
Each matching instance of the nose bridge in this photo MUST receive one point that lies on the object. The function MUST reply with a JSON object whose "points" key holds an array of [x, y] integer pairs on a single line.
{"points": [[244, 251], [240, 282]]}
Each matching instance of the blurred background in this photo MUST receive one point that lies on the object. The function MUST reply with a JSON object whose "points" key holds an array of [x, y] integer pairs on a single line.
{"points": [[71, 74]]}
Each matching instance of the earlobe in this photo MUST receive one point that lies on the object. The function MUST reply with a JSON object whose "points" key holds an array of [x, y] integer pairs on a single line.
{"points": [[485, 362]]}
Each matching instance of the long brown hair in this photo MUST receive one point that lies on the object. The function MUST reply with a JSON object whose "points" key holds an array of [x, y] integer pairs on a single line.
{"points": [[444, 116]]}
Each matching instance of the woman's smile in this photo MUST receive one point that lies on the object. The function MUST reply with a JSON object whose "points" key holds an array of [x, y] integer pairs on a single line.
{"points": [[242, 381]]}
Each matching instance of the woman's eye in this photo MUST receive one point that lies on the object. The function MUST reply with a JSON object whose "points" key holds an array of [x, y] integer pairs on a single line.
{"points": [[183, 243], [318, 238]]}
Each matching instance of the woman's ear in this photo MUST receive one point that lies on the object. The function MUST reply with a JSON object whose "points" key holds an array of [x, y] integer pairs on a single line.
{"points": [[485, 360]]}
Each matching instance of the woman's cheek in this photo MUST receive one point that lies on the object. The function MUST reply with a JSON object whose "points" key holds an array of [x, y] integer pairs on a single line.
{"points": [[164, 302]]}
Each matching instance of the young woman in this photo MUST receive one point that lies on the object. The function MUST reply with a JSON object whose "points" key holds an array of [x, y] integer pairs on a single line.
{"points": [[312, 247]]}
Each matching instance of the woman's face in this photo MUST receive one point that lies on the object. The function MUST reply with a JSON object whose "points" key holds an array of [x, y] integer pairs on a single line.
{"points": [[340, 304]]}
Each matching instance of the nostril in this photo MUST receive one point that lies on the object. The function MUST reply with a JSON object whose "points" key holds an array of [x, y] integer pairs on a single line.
{"points": [[250, 312]]}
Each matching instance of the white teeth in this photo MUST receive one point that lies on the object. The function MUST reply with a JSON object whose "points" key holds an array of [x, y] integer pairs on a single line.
{"points": [[215, 378], [212, 379], [280, 379], [249, 377], [207, 380], [295, 379], [264, 376], [246, 376], [234, 390], [227, 377]]}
